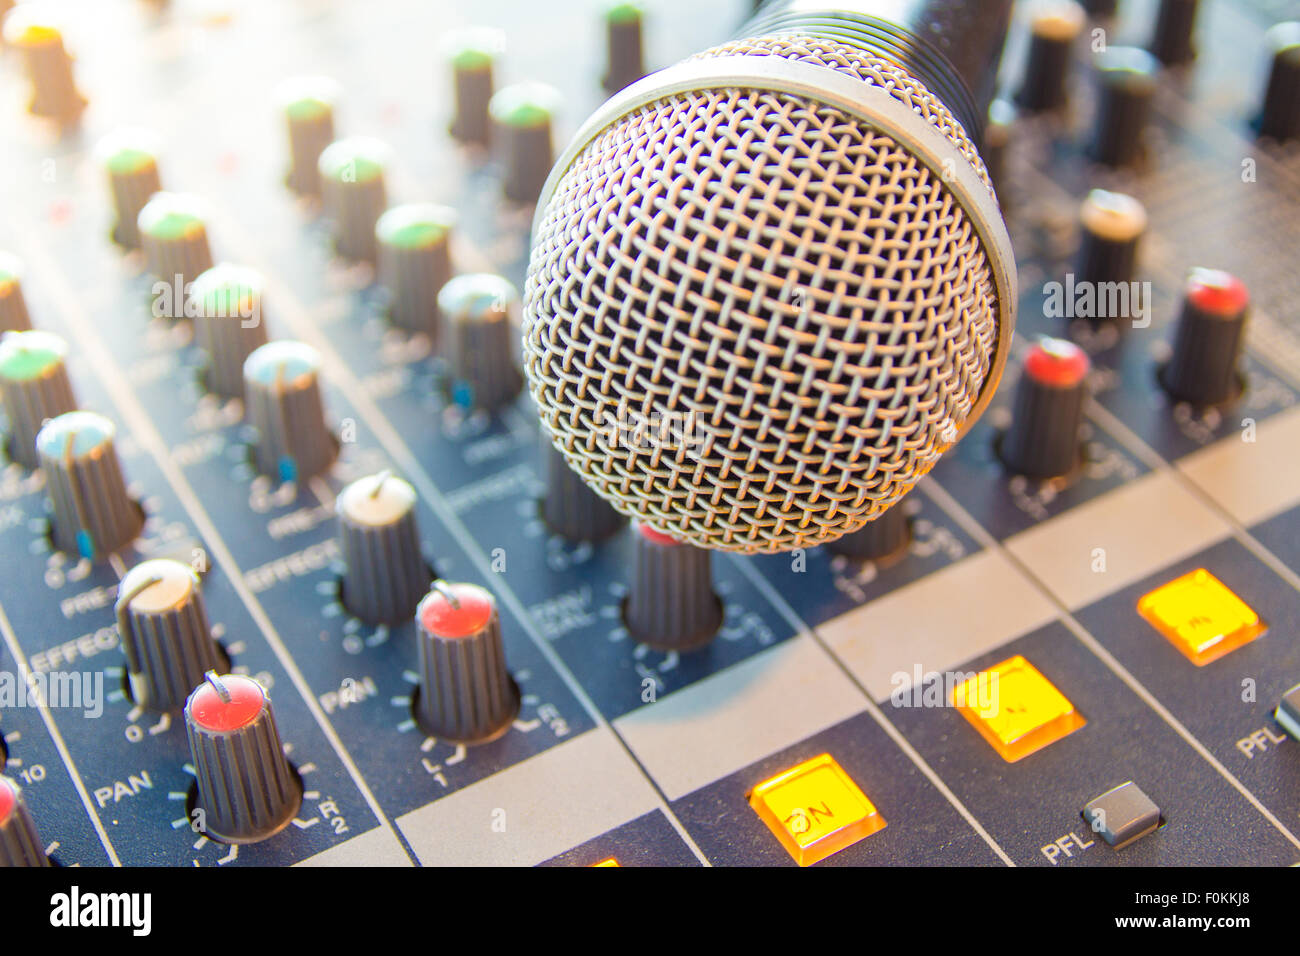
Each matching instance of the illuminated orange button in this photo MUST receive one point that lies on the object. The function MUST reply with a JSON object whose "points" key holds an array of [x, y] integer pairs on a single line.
{"points": [[1200, 616], [815, 809], [1016, 709], [608, 861]]}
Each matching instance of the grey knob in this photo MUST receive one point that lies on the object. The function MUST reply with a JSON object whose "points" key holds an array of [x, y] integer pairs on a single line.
{"points": [[385, 573], [522, 116], [246, 788], [49, 68], [671, 604], [473, 54], [228, 323], [570, 508], [92, 513], [130, 158], [20, 844], [175, 243], [881, 540], [415, 262], [308, 103], [165, 633], [34, 386], [13, 307], [481, 340], [282, 400], [626, 61], [466, 694], [353, 192]]}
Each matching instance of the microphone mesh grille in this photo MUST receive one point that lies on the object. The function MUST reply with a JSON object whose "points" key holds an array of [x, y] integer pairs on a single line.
{"points": [[752, 321]]}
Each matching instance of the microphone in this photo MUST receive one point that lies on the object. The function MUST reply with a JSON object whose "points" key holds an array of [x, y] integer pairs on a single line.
{"points": [[770, 286]]}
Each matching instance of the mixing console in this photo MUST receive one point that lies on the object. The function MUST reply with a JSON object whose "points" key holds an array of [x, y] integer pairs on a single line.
{"points": [[288, 576]]}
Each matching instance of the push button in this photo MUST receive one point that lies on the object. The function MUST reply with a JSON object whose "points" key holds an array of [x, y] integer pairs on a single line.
{"points": [[1016, 709], [1200, 616], [815, 809], [1122, 815]]}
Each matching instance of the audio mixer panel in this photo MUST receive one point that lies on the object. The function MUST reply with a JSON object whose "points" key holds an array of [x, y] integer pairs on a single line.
{"points": [[354, 524]]}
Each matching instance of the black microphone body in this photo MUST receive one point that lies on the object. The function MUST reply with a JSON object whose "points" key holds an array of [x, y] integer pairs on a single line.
{"points": [[952, 46]]}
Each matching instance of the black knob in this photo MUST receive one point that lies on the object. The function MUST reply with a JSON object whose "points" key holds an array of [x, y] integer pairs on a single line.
{"points": [[1113, 225], [882, 540], [1202, 368], [1173, 42], [20, 844], [1043, 438], [671, 604], [165, 633], [415, 263], [13, 307], [92, 513], [353, 193], [229, 324], [569, 507], [522, 117], [1280, 118], [130, 157], [49, 68], [1127, 81], [175, 243], [480, 314], [466, 694], [473, 55], [626, 60], [385, 574], [1054, 28], [308, 103], [282, 400], [34, 386], [997, 142], [247, 790]]}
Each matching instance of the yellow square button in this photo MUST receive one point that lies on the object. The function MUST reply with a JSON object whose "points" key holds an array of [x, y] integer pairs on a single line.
{"points": [[1016, 709], [1200, 616], [608, 861], [815, 809]]}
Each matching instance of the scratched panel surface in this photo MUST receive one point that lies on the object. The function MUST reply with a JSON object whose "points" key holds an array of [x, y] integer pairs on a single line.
{"points": [[112, 787]]}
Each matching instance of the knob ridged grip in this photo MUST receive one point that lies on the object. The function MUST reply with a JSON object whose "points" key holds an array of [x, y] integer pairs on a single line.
{"points": [[20, 844], [246, 788], [13, 307], [282, 400], [165, 633], [49, 67], [481, 340], [353, 193], [174, 238], [308, 103], [883, 538], [34, 386], [671, 604], [415, 263], [569, 507], [228, 324], [92, 513], [1202, 366], [1043, 438], [466, 693], [130, 158], [385, 573]]}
